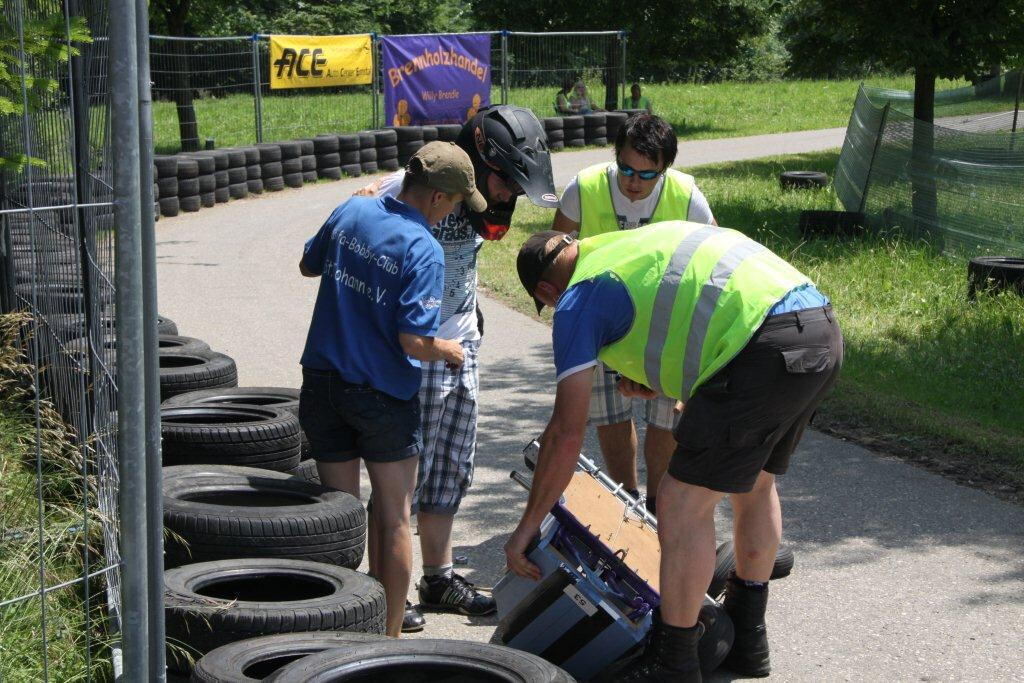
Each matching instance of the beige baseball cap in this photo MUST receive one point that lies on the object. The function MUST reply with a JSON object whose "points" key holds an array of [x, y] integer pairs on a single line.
{"points": [[449, 169]]}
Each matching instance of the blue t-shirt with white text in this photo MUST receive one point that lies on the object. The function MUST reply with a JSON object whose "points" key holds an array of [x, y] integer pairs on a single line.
{"points": [[381, 273]]}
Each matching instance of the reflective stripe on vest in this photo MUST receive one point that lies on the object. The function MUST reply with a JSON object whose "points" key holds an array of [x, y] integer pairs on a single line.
{"points": [[699, 293], [597, 209]]}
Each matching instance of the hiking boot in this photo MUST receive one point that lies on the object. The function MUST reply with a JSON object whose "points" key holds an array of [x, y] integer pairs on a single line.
{"points": [[746, 607], [413, 621], [454, 594], [670, 656]]}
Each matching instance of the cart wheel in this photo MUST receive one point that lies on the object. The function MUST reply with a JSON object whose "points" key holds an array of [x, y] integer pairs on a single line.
{"points": [[725, 563]]}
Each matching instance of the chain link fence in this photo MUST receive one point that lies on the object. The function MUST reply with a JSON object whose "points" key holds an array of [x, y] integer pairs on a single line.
{"points": [[956, 183]]}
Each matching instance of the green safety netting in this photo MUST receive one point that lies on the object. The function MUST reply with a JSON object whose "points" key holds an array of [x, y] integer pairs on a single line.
{"points": [[958, 183]]}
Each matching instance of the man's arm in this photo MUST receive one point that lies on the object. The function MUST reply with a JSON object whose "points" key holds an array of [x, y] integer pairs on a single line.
{"points": [[559, 451], [431, 348], [371, 190], [306, 272], [563, 223]]}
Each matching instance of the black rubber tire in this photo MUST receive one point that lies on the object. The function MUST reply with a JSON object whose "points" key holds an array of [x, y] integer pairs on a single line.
{"points": [[555, 146], [222, 179], [273, 169], [725, 563], [595, 132], [572, 122], [291, 166], [385, 137], [370, 167], [57, 297], [237, 174], [306, 147], [227, 513], [278, 397], [239, 190], [367, 139], [552, 123], [594, 120], [274, 184], [348, 142], [207, 164], [187, 168], [616, 118], [306, 471], [290, 149], [430, 133], [333, 173], [385, 153], [293, 179], [600, 142], [282, 599], [433, 659], [166, 166], [175, 343], [207, 183], [269, 152], [190, 204], [188, 187], [230, 434], [221, 159], [803, 180], [252, 155], [181, 372], [367, 154], [352, 170], [555, 136], [407, 133], [166, 325], [994, 273], [716, 642], [389, 165], [253, 172], [208, 199], [575, 143], [253, 660], [328, 160], [236, 157], [254, 186], [308, 162], [407, 149], [448, 132], [325, 144], [167, 187], [310, 177], [221, 195], [573, 134]]}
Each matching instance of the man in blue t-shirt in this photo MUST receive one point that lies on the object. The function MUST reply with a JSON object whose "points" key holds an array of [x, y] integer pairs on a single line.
{"points": [[375, 319]]}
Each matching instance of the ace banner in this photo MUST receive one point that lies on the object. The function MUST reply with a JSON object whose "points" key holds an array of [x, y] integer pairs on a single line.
{"points": [[318, 61], [435, 78]]}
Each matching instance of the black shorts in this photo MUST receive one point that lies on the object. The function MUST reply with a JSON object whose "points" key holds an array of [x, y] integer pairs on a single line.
{"points": [[344, 421], [751, 415]]}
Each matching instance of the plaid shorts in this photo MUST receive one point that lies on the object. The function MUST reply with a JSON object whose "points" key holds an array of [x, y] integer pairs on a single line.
{"points": [[448, 408], [609, 407]]}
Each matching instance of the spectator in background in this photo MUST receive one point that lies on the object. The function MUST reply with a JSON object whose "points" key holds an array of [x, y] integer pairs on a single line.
{"points": [[562, 106], [580, 101], [636, 100]]}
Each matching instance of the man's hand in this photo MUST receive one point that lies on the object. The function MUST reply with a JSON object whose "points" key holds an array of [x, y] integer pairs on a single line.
{"points": [[515, 553], [452, 352], [631, 389], [371, 190], [678, 407]]}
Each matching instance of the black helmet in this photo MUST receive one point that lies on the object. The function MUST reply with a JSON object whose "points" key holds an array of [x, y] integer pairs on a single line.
{"points": [[511, 142]]}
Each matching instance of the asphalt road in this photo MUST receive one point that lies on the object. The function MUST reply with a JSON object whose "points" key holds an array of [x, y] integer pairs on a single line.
{"points": [[900, 574]]}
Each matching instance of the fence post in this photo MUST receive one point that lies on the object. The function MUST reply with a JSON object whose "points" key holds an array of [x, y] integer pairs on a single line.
{"points": [[874, 154], [504, 66], [257, 94], [131, 442], [375, 65], [622, 39]]}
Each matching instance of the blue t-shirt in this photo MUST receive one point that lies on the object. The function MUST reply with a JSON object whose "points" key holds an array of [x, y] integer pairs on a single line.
{"points": [[595, 313], [381, 273]]}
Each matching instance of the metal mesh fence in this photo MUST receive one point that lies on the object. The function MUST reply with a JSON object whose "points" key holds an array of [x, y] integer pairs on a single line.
{"points": [[955, 184], [59, 545]]}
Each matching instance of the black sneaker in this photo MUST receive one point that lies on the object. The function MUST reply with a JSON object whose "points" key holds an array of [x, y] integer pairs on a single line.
{"points": [[454, 594], [413, 621]]}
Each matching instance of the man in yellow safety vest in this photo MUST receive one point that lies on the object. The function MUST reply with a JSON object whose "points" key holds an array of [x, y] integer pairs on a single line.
{"points": [[639, 187], [707, 316]]}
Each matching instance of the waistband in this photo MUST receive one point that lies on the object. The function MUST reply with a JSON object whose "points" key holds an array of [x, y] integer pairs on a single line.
{"points": [[799, 318]]}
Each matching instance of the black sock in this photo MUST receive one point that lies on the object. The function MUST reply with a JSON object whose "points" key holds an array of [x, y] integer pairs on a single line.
{"points": [[651, 504], [752, 585]]}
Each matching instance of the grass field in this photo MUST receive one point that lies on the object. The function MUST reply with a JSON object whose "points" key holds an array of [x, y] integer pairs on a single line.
{"points": [[924, 370], [697, 111]]}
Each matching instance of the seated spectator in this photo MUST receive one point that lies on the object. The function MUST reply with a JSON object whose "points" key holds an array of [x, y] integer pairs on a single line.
{"points": [[562, 106], [580, 100], [636, 100]]}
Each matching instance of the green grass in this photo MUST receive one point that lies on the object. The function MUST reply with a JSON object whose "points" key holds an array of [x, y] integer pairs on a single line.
{"points": [[75, 647], [923, 368], [717, 110]]}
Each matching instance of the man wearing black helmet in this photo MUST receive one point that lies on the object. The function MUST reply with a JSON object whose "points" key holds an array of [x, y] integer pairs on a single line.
{"points": [[510, 158]]}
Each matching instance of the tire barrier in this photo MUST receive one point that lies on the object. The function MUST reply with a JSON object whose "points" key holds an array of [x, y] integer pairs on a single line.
{"points": [[183, 372], [180, 344], [165, 325], [613, 122], [225, 434], [210, 604], [226, 513]]}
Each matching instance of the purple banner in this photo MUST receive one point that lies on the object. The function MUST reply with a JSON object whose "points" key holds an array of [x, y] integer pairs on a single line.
{"points": [[436, 78]]}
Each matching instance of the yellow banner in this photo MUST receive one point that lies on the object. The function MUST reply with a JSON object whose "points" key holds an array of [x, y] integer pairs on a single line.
{"points": [[318, 61]]}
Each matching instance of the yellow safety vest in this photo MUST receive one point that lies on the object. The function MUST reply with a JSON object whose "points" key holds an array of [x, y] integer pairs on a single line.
{"points": [[597, 211]]}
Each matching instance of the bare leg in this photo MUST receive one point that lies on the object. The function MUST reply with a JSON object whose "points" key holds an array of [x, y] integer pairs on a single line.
{"points": [[757, 529], [393, 484], [686, 529], [343, 476], [659, 445], [435, 538], [618, 446]]}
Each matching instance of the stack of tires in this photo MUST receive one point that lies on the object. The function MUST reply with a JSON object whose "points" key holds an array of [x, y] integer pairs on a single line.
{"points": [[189, 170], [430, 134], [328, 161], [410, 139], [291, 162], [573, 133], [448, 132], [367, 151], [307, 155], [167, 184], [554, 132], [238, 175], [595, 130], [613, 122], [253, 171], [387, 149], [270, 166], [220, 161]]}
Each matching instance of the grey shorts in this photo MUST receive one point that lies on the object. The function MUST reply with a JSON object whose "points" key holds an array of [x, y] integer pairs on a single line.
{"points": [[609, 407]]}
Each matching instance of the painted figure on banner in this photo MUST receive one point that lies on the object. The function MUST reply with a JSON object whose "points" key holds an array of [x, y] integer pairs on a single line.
{"points": [[402, 115], [471, 112]]}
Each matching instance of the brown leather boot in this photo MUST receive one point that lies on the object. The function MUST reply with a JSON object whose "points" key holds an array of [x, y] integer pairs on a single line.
{"points": [[670, 656], [746, 607]]}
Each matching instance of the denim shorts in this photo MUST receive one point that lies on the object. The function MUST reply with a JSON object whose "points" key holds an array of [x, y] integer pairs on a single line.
{"points": [[344, 421]]}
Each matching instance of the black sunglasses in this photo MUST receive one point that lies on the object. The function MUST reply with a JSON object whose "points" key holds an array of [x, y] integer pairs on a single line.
{"points": [[629, 172]]}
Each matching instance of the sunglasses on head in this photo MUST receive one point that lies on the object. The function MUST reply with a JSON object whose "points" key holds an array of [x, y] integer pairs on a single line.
{"points": [[629, 172]]}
